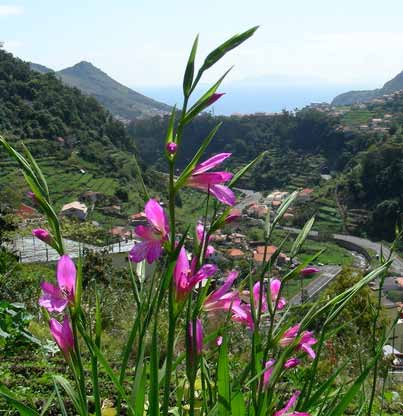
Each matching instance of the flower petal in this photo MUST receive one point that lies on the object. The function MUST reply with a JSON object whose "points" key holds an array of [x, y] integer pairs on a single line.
{"points": [[149, 250], [66, 275], [52, 298], [210, 163], [156, 216], [217, 294], [223, 194], [147, 233], [204, 272]]}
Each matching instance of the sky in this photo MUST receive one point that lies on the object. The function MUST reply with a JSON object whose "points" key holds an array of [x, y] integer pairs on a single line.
{"points": [[146, 43]]}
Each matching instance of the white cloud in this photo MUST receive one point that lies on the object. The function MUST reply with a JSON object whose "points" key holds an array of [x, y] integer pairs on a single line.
{"points": [[10, 10]]}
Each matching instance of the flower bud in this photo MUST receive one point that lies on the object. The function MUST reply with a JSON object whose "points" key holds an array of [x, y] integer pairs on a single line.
{"points": [[171, 148], [42, 235], [291, 363], [308, 271], [216, 96]]}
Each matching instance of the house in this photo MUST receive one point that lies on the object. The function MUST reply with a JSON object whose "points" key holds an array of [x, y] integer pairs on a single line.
{"points": [[235, 254], [26, 212], [138, 219], [305, 195], [75, 209], [112, 210], [121, 232], [259, 255]]}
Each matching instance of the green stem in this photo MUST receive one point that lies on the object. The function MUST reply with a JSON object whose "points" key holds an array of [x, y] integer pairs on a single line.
{"points": [[79, 363], [169, 357]]}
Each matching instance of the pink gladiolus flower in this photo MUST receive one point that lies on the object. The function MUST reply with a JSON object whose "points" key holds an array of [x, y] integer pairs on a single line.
{"points": [[196, 341], [285, 411], [222, 298], [267, 373], [305, 343], [216, 96], [291, 363], [56, 298], [201, 235], [153, 235], [42, 235], [62, 334], [289, 336], [308, 271], [275, 286], [185, 279], [171, 148], [212, 181], [218, 341]]}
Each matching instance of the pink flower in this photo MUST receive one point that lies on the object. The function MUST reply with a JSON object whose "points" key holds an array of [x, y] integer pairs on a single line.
{"points": [[154, 235], [222, 298], [195, 333], [285, 411], [243, 312], [291, 363], [62, 334], [171, 148], [305, 343], [275, 286], [201, 236], [56, 298], [267, 373], [42, 235], [308, 271], [218, 341], [289, 336], [185, 278], [212, 181]]}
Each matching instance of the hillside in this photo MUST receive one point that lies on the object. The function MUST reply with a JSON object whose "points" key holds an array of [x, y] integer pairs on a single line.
{"points": [[78, 143], [300, 146], [120, 100], [354, 97]]}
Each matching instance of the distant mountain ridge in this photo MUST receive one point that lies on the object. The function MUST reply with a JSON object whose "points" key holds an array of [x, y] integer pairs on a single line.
{"points": [[121, 101], [355, 97]]}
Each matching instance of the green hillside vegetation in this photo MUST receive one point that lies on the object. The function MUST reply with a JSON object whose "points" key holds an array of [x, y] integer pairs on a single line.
{"points": [[354, 97], [298, 145], [76, 141], [120, 100]]}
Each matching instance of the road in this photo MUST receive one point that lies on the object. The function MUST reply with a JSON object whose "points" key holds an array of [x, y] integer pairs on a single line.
{"points": [[397, 265], [327, 274]]}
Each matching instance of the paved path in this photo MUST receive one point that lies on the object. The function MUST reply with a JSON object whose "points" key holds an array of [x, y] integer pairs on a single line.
{"points": [[327, 274], [397, 265], [32, 250]]}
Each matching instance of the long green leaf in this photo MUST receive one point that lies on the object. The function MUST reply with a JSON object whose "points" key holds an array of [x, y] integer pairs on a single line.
{"points": [[225, 47], [223, 380], [192, 164], [238, 175], [24, 410], [203, 102], [189, 72], [74, 397], [302, 236]]}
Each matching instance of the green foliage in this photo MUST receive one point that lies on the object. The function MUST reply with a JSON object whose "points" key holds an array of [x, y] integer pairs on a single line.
{"points": [[14, 333]]}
